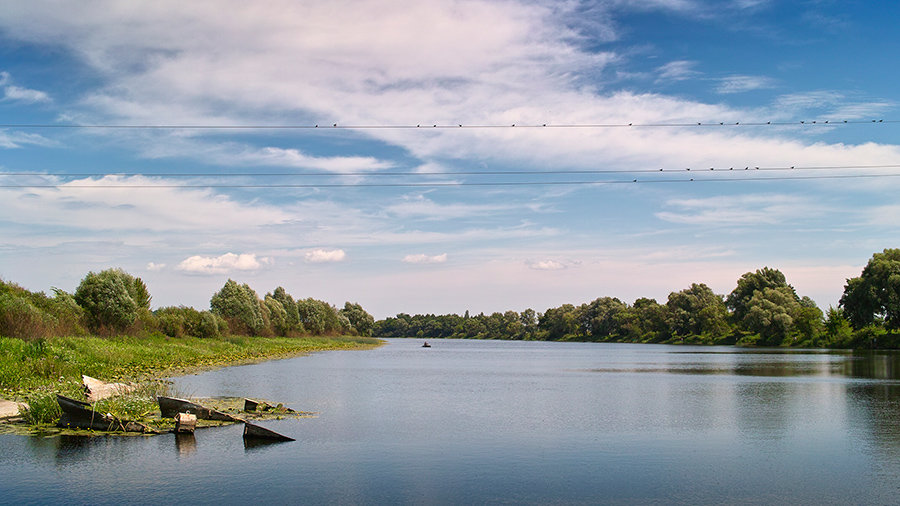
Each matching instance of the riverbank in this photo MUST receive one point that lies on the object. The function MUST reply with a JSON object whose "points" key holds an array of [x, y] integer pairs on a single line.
{"points": [[35, 371]]}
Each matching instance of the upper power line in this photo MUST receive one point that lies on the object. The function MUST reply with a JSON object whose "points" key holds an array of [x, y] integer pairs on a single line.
{"points": [[458, 173], [312, 126]]}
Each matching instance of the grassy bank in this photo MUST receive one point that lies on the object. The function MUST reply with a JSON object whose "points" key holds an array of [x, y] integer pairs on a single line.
{"points": [[29, 369]]}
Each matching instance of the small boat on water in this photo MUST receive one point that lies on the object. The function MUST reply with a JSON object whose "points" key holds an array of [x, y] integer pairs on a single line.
{"points": [[426, 345], [253, 431], [170, 406]]}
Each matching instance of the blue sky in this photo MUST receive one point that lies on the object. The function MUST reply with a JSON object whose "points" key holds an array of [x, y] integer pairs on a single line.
{"points": [[187, 208]]}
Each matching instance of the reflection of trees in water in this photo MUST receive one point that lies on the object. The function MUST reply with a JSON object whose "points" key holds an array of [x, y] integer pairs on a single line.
{"points": [[66, 449], [874, 365], [874, 408]]}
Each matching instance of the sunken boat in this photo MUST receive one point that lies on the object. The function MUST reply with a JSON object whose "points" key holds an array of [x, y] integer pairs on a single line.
{"points": [[170, 406], [253, 431], [81, 415]]}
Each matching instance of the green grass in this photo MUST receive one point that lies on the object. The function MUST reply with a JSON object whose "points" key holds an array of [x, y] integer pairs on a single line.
{"points": [[33, 369]]}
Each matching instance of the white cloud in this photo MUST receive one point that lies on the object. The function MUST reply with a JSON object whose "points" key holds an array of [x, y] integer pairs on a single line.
{"points": [[155, 267], [546, 265], [14, 93], [132, 203], [19, 94], [740, 210], [742, 84], [11, 140], [322, 256], [419, 206], [223, 264], [425, 259], [677, 70], [383, 64], [295, 158]]}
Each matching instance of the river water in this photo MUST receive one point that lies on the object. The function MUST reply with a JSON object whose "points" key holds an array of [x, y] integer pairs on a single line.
{"points": [[491, 422]]}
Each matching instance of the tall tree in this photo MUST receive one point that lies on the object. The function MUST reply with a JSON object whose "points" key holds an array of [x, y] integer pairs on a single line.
{"points": [[557, 323], [876, 292], [240, 307], [749, 283], [359, 319], [696, 311], [772, 313], [107, 300], [598, 318], [292, 317]]}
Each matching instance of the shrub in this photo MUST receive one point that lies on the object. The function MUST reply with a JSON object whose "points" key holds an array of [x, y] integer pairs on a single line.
{"points": [[187, 321], [208, 325], [20, 318], [106, 298], [170, 321]]}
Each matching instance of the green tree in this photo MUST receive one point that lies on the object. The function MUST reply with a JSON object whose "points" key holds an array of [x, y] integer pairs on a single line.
{"points": [[138, 291], [557, 323], [837, 326], [240, 307], [771, 313], [292, 317], [359, 319], [108, 299], [875, 294], [529, 320], [750, 282], [697, 311], [278, 318], [597, 319], [312, 315], [808, 319], [645, 320]]}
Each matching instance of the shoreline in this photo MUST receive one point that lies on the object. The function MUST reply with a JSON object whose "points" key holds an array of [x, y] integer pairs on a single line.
{"points": [[148, 363]]}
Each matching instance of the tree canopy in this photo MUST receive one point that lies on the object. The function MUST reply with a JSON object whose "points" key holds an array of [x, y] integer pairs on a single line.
{"points": [[875, 294], [111, 299]]}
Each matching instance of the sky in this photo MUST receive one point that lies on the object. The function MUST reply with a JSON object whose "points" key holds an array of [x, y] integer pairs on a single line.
{"points": [[582, 148]]}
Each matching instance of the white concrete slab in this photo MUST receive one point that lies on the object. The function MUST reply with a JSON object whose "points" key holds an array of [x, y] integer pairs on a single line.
{"points": [[9, 409]]}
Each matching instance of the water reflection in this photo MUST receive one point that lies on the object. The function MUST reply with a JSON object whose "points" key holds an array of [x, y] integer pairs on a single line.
{"points": [[65, 449], [881, 365], [254, 444], [186, 444], [873, 364]]}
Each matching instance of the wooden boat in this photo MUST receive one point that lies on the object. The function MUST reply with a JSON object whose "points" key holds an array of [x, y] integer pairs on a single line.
{"points": [[253, 431], [170, 406], [426, 345], [81, 415]]}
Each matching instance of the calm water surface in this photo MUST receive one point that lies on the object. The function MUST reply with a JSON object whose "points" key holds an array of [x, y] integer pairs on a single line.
{"points": [[475, 422]]}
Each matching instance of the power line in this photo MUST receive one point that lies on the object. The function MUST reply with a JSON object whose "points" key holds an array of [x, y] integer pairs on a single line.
{"points": [[455, 173], [426, 126], [452, 183]]}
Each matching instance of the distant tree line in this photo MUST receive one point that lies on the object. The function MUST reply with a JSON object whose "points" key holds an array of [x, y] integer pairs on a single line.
{"points": [[763, 309], [115, 302]]}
